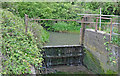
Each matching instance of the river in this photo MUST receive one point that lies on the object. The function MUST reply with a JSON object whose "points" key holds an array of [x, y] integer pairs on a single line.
{"points": [[57, 38]]}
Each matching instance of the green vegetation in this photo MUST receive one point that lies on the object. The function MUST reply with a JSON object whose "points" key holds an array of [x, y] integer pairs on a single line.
{"points": [[46, 10], [40, 34], [112, 59], [111, 72], [64, 27], [19, 49], [22, 50], [116, 40], [108, 8], [93, 64], [61, 10]]}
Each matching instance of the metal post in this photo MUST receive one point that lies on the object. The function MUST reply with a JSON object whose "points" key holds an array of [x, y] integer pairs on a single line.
{"points": [[119, 25], [82, 32], [96, 24], [100, 20], [111, 30], [26, 23]]}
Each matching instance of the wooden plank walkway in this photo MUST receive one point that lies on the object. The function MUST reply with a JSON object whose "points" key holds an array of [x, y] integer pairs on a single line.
{"points": [[60, 46]]}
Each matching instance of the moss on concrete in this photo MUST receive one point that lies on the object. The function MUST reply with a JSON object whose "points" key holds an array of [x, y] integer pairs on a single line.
{"points": [[92, 63], [111, 72]]}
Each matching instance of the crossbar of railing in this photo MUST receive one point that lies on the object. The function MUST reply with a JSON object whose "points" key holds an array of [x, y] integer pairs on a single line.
{"points": [[103, 18], [110, 26], [55, 19], [85, 15], [99, 15]]}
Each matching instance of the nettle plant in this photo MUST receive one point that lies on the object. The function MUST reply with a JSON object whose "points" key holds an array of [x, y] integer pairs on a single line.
{"points": [[112, 59]]}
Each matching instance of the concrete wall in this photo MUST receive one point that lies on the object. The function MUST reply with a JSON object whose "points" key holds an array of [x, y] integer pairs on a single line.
{"points": [[94, 42]]}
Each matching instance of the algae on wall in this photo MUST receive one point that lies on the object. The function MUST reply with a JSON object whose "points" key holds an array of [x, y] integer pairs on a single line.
{"points": [[92, 63], [96, 44]]}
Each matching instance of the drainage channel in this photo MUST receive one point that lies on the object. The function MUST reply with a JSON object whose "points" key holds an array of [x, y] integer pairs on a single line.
{"points": [[65, 55]]}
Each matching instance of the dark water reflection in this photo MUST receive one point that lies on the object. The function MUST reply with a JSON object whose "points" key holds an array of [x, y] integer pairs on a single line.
{"points": [[64, 38]]}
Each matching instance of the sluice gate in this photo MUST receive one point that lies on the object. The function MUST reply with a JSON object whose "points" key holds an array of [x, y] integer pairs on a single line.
{"points": [[62, 55]]}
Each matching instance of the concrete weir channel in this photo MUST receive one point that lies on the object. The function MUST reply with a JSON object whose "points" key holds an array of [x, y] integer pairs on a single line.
{"points": [[63, 55], [95, 57]]}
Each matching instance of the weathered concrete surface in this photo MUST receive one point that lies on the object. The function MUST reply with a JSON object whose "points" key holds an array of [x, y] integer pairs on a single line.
{"points": [[69, 69], [94, 42], [92, 63]]}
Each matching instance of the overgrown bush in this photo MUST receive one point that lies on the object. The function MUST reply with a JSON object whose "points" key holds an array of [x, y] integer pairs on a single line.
{"points": [[19, 49], [61, 10], [40, 34], [45, 10]]}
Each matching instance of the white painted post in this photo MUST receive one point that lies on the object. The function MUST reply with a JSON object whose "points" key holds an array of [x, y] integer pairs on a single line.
{"points": [[100, 20]]}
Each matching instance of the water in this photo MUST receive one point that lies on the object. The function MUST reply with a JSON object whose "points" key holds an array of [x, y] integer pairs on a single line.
{"points": [[63, 38], [57, 38]]}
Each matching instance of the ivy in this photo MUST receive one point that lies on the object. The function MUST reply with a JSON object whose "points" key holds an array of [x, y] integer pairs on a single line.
{"points": [[19, 49], [116, 40], [112, 58]]}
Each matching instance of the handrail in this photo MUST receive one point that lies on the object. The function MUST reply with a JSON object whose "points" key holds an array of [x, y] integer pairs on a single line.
{"points": [[99, 15]]}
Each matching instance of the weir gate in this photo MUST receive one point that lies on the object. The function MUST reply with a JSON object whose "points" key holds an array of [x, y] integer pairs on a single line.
{"points": [[62, 55], [73, 54]]}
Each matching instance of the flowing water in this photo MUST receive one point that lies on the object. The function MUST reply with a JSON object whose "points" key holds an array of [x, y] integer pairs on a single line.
{"points": [[64, 38]]}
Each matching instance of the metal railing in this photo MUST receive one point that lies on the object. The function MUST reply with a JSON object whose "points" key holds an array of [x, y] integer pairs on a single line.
{"points": [[83, 22]]}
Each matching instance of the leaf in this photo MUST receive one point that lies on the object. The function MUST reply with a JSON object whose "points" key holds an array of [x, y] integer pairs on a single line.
{"points": [[110, 58]]}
